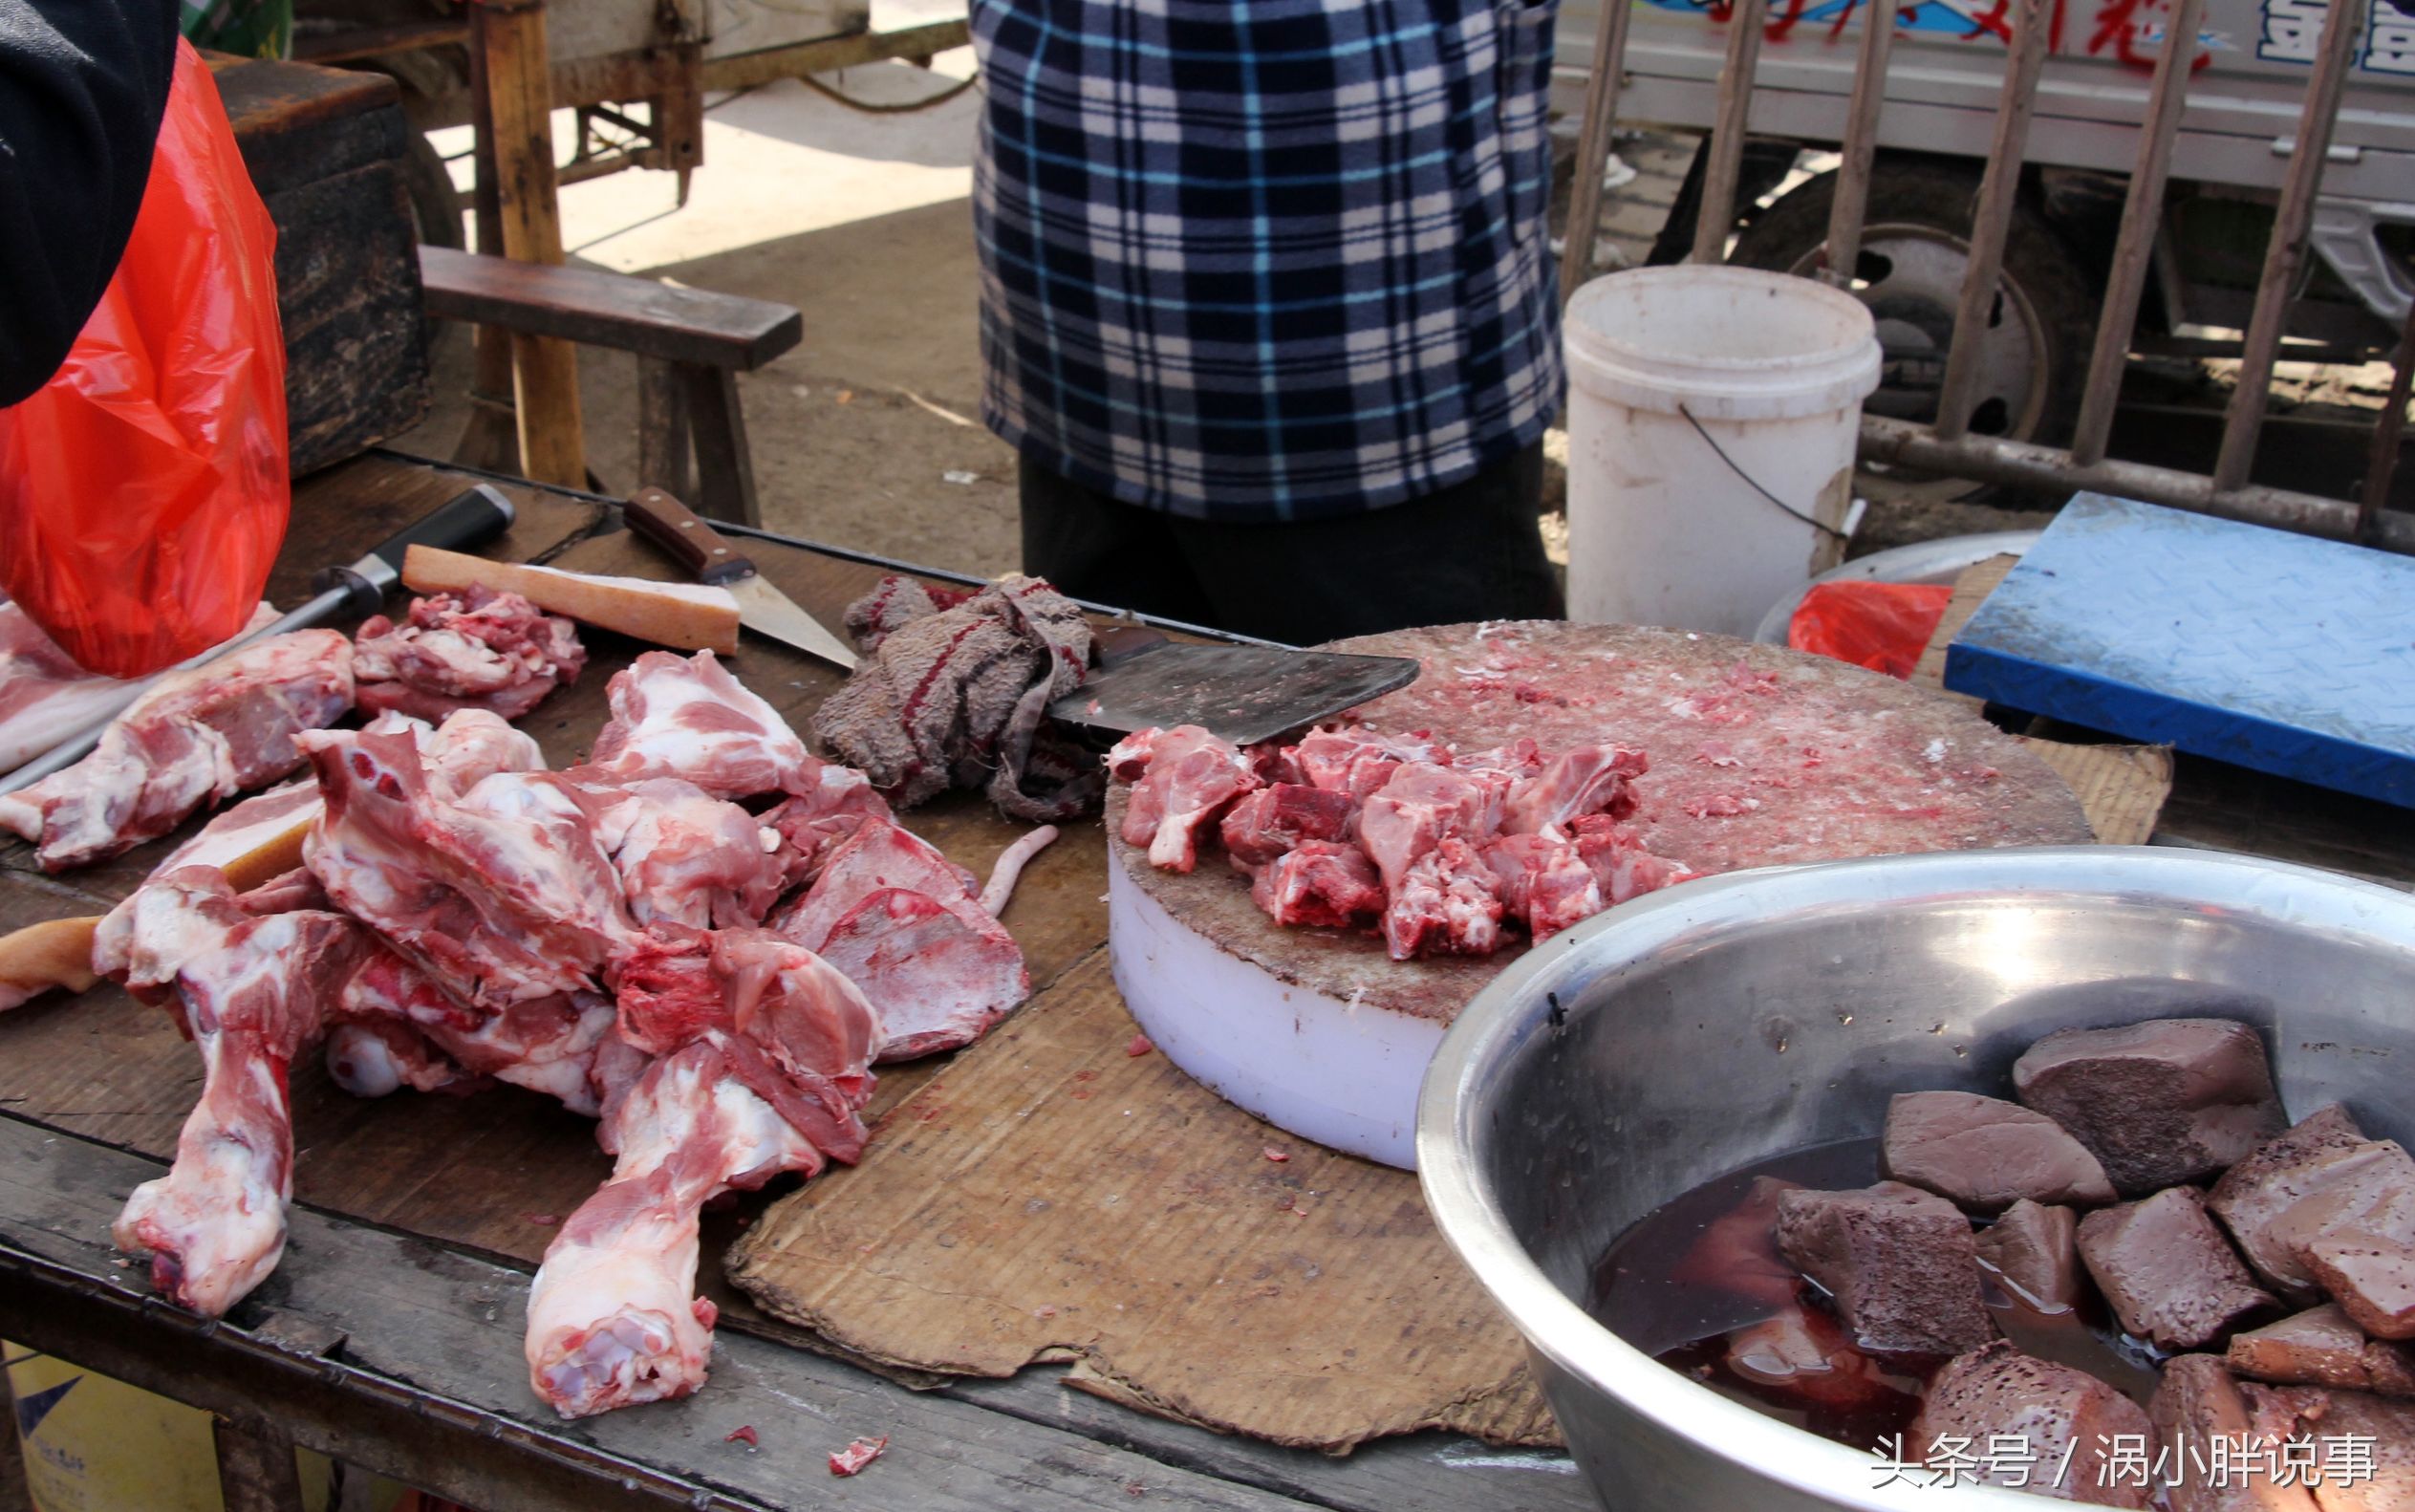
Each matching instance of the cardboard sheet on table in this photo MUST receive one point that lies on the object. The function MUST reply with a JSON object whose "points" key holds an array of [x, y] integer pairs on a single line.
{"points": [[1051, 1197]]}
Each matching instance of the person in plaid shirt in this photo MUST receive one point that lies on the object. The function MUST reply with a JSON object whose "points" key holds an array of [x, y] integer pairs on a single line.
{"points": [[1267, 305]]}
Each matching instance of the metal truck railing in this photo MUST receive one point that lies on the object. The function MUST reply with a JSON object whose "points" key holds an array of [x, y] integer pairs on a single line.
{"points": [[1946, 446]]}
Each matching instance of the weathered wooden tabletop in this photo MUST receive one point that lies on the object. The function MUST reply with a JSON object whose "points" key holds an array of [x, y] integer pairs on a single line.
{"points": [[390, 1335]]}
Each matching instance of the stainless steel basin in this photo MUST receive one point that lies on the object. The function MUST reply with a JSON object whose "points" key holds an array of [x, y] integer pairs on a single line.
{"points": [[1726, 1019]]}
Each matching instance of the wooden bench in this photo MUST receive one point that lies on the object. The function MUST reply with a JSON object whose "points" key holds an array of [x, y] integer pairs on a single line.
{"points": [[691, 344]]}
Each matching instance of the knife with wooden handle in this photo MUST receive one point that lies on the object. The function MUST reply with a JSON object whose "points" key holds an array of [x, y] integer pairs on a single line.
{"points": [[712, 557]]}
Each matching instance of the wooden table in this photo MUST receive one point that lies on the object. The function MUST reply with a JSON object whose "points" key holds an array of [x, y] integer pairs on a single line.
{"points": [[391, 1335]]}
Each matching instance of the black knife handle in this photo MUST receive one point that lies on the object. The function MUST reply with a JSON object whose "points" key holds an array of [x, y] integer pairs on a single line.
{"points": [[708, 555], [469, 518]]}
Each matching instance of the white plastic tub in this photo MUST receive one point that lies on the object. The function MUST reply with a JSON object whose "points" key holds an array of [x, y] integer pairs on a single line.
{"points": [[1711, 419]]}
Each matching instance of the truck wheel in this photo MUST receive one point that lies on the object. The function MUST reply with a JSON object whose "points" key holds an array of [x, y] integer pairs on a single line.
{"points": [[1914, 250]]}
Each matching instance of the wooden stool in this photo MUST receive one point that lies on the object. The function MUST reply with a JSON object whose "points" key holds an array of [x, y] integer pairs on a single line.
{"points": [[691, 345]]}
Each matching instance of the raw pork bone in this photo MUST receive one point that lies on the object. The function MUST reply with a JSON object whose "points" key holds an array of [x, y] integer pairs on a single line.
{"points": [[2323, 1149], [503, 892], [468, 747], [486, 650], [905, 924], [1319, 884], [838, 802], [396, 1025], [1187, 779], [686, 717], [2196, 1404], [1987, 1153], [1544, 881], [955, 695], [196, 738], [2159, 1103], [2059, 1416], [2032, 1250], [761, 1066], [1354, 761], [45, 697], [247, 990], [2322, 1346], [1448, 904], [2167, 1272], [1899, 1262], [1421, 807], [1589, 780], [1264, 824], [1619, 861], [687, 856]]}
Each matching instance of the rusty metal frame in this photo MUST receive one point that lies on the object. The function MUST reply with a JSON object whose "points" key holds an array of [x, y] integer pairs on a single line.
{"points": [[1947, 447]]}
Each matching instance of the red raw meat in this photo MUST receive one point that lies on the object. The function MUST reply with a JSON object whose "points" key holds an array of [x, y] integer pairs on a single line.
{"points": [[686, 717], [687, 856], [196, 738], [44, 696], [488, 650], [1544, 881], [1590, 779], [938, 982], [1192, 775], [1319, 882], [1356, 762], [1625, 868], [1272, 820], [859, 1453], [1448, 904], [877, 856], [1421, 807], [812, 824]]}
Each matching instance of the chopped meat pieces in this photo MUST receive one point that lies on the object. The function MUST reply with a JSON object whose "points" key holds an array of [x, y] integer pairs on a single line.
{"points": [[1421, 807], [1190, 779], [488, 650], [1544, 882], [2065, 1421], [2322, 1151], [2209, 1430], [194, 739], [686, 855], [686, 717], [2158, 1103], [1448, 904], [1355, 762], [954, 695], [2322, 1346], [2031, 1249], [1319, 884], [45, 697], [1986, 1153], [1619, 861], [1590, 779], [2167, 1272], [1899, 1262], [1266, 823], [858, 1453]]}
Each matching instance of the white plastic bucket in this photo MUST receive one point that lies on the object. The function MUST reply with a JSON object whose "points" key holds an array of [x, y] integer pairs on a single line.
{"points": [[1711, 419]]}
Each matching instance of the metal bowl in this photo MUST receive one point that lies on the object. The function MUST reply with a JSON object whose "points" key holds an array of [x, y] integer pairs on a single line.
{"points": [[1727, 1019]]}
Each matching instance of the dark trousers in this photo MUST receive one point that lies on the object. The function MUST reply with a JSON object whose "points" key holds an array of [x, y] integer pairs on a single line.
{"points": [[1471, 552]]}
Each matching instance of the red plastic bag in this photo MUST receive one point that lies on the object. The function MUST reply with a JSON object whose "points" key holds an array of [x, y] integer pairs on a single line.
{"points": [[142, 490], [1882, 626]]}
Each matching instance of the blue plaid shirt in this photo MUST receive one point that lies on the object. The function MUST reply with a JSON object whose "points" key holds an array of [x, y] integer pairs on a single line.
{"points": [[1255, 260]]}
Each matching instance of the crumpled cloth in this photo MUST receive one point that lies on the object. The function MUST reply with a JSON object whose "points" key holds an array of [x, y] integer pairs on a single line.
{"points": [[952, 692]]}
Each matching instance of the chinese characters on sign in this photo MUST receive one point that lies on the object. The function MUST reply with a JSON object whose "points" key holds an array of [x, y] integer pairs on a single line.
{"points": [[2292, 28], [2221, 1461]]}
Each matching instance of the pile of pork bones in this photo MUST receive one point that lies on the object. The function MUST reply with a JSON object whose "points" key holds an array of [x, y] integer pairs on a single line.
{"points": [[703, 937]]}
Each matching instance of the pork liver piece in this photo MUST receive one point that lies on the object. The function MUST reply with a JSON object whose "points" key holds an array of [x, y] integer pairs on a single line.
{"points": [[1987, 1153], [2323, 1347], [2169, 1274], [2197, 1403], [2031, 1249], [2052, 1409], [2389, 1427], [2370, 1272], [1898, 1262], [2159, 1103], [2299, 1162]]}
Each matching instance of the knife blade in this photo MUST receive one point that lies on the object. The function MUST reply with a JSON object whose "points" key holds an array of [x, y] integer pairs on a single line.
{"points": [[712, 557]]}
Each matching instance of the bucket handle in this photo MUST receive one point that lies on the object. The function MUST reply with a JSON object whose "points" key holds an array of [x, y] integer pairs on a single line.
{"points": [[1816, 523]]}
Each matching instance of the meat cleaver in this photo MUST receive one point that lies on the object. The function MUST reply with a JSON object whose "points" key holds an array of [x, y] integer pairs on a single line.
{"points": [[1246, 694]]}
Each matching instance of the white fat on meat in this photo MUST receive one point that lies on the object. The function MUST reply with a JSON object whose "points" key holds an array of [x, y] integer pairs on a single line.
{"points": [[686, 717], [503, 893], [1191, 777], [487, 649], [45, 698], [194, 739], [1422, 806], [546, 1045], [687, 856], [214, 1226]]}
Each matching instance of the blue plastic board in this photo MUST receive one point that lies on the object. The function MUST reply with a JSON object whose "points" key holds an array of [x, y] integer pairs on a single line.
{"points": [[2279, 652]]}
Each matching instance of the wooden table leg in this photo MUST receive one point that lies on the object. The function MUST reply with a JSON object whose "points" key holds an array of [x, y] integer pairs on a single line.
{"points": [[662, 427], [257, 1474], [512, 91], [491, 439], [724, 470]]}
